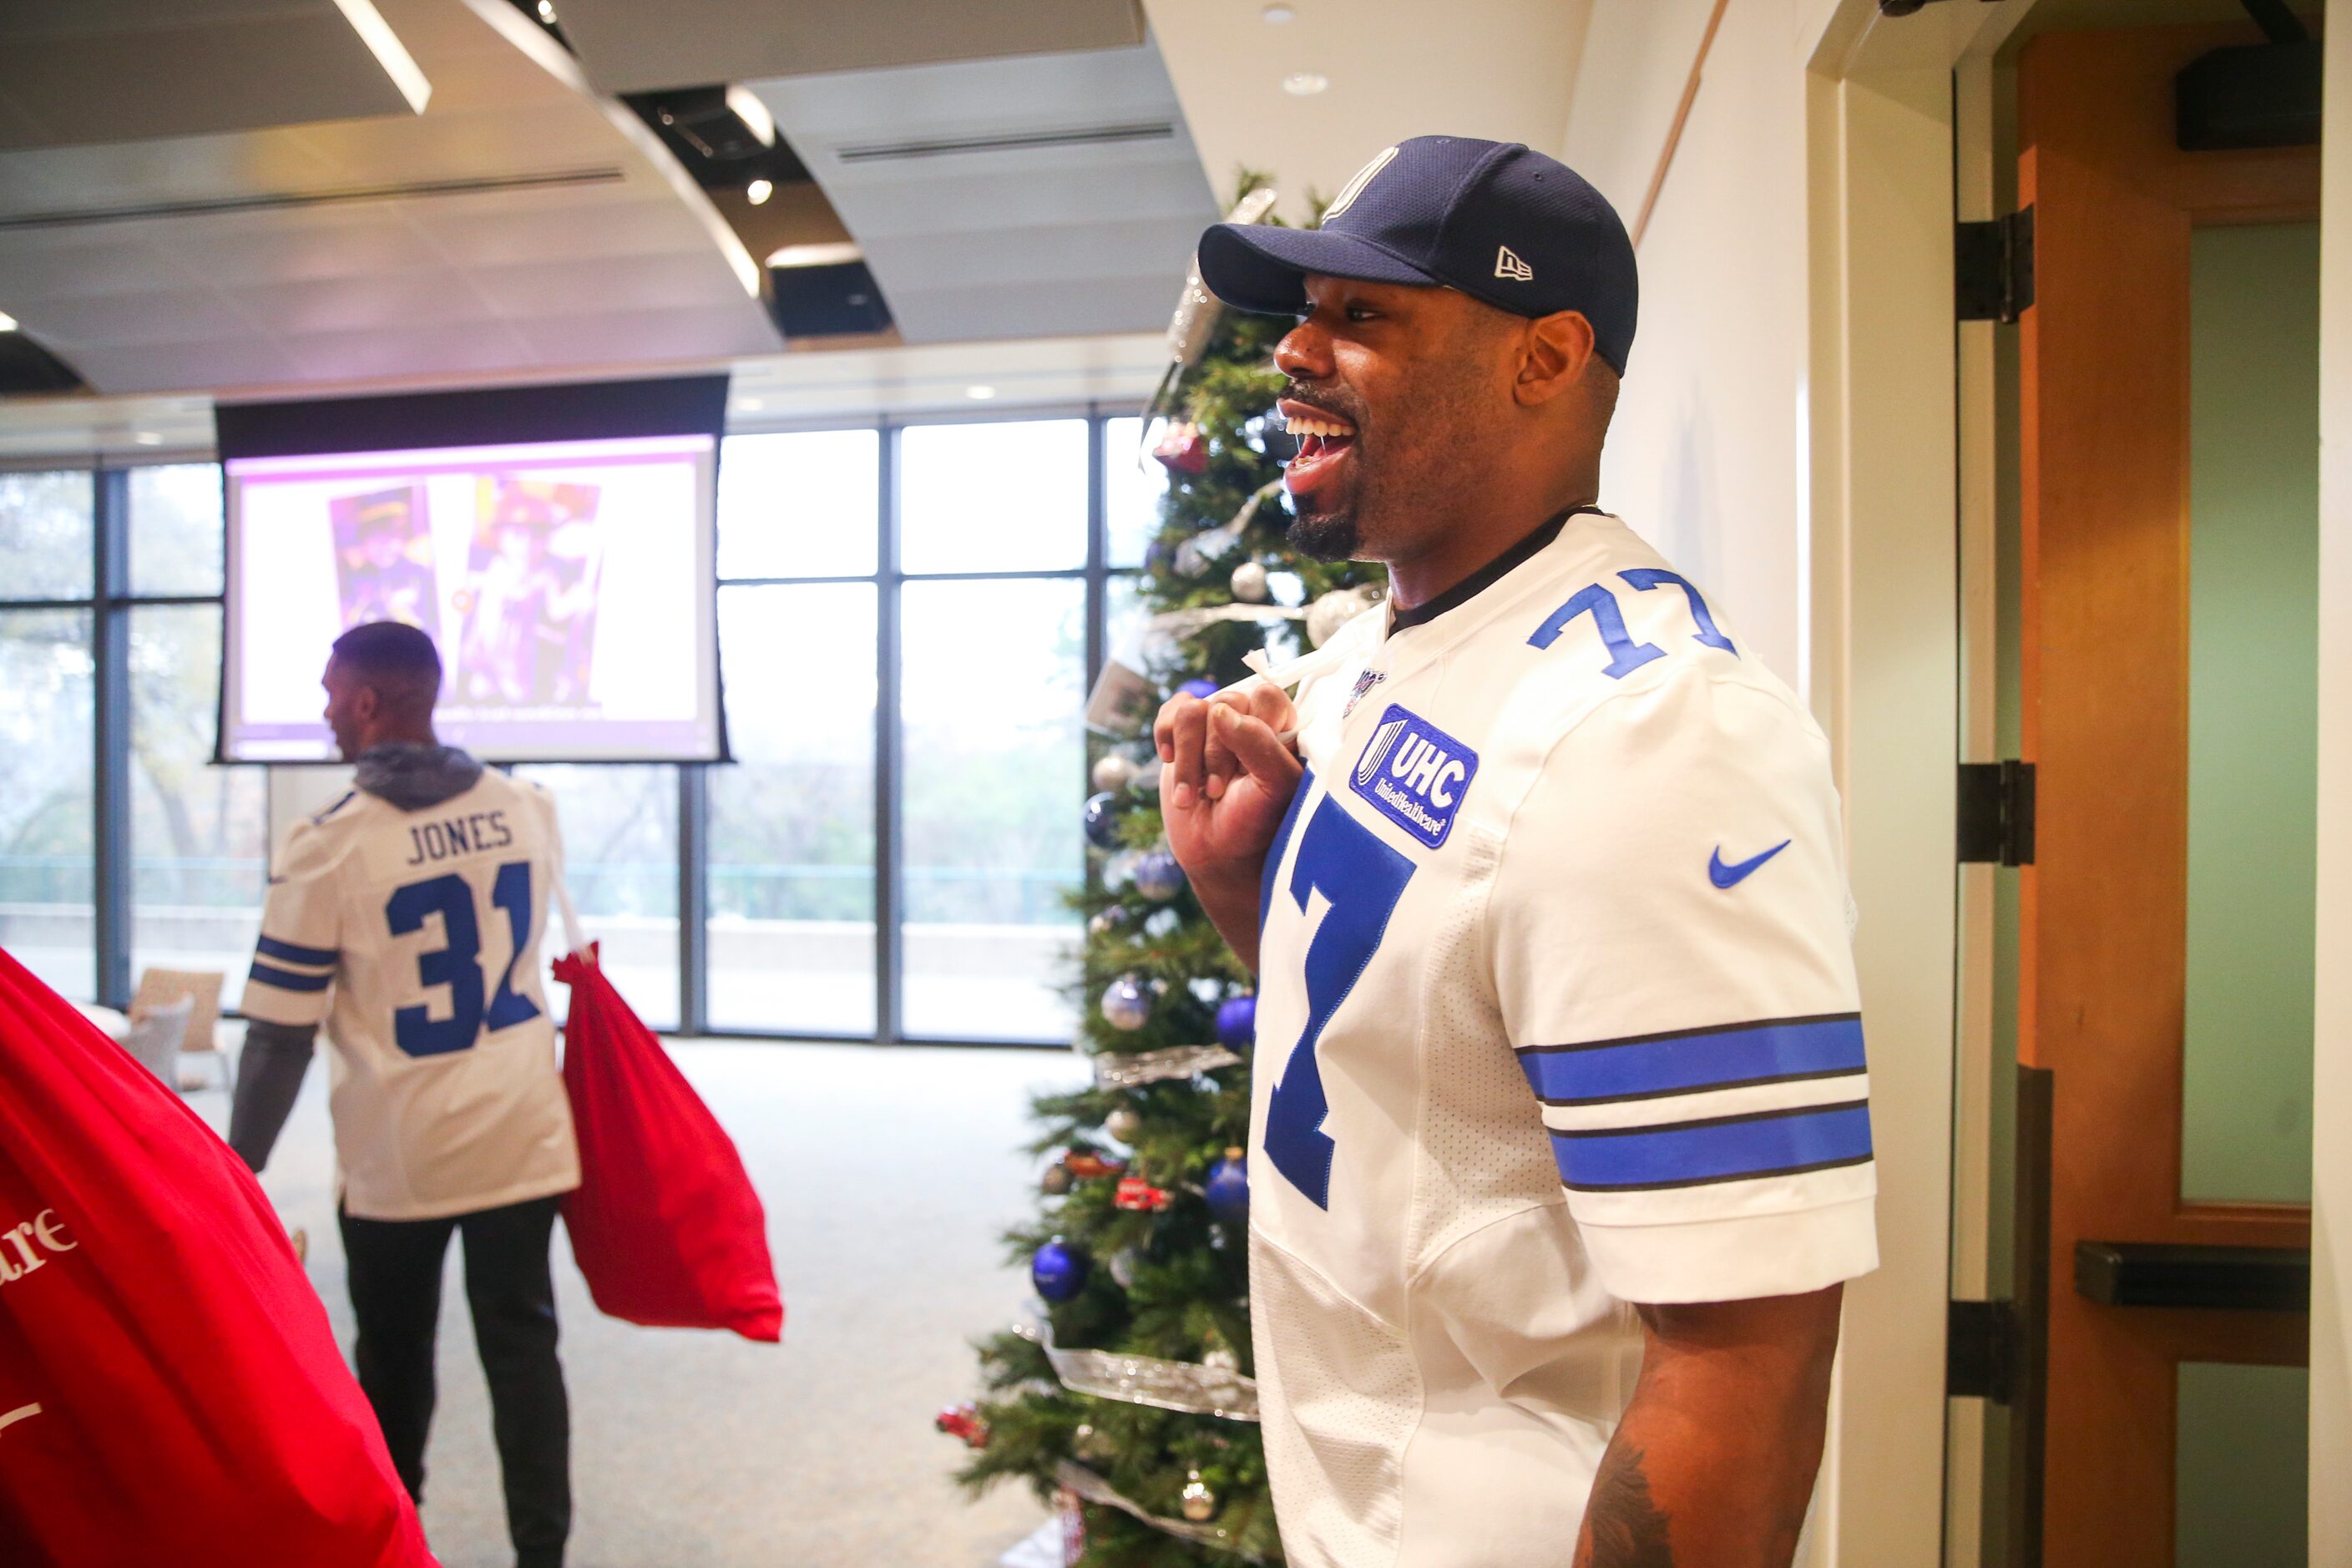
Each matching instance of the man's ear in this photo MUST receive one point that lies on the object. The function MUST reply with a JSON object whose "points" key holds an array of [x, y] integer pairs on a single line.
{"points": [[1555, 352]]}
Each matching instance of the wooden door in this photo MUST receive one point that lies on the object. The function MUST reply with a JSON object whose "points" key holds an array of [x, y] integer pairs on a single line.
{"points": [[2105, 358]]}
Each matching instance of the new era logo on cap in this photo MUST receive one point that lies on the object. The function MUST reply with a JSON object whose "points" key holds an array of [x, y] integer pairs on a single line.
{"points": [[1506, 264]]}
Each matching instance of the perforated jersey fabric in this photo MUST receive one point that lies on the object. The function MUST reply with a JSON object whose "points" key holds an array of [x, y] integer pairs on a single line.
{"points": [[415, 936], [1557, 1013]]}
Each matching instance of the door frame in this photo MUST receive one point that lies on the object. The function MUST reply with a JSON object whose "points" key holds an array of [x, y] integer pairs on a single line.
{"points": [[1898, 414], [1898, 428]]}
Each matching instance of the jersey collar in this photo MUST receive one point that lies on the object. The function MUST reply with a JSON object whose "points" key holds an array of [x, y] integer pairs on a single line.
{"points": [[1487, 576]]}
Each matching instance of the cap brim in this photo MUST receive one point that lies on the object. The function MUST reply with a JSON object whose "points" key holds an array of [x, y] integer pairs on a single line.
{"points": [[1252, 267]]}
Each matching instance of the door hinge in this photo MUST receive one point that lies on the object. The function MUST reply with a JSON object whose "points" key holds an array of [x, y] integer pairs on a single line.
{"points": [[1992, 268], [1981, 1350], [1996, 801]]}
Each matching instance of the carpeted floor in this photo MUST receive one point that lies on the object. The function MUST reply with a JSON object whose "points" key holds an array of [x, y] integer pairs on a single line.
{"points": [[886, 1175]]}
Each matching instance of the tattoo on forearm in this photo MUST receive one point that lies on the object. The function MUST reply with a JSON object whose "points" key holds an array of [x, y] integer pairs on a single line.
{"points": [[1626, 1529]]}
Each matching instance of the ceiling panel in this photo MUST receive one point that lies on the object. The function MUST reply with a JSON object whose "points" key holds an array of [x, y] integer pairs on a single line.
{"points": [[366, 267], [628, 46], [74, 74], [1039, 241]]}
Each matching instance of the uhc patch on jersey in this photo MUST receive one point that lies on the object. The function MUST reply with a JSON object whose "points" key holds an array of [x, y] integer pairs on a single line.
{"points": [[1416, 773]]}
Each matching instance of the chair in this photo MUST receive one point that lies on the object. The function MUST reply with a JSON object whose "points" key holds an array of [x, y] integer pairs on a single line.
{"points": [[160, 986], [156, 1035]]}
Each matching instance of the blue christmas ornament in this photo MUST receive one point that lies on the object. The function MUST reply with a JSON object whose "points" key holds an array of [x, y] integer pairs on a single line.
{"points": [[1102, 820], [1158, 876], [1127, 1004], [1237, 1023], [1199, 686], [1058, 1270], [1227, 1188]]}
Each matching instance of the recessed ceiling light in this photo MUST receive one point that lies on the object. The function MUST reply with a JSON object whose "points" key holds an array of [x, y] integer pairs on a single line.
{"points": [[829, 253], [752, 110], [758, 191], [547, 12], [1277, 14], [748, 406], [8, 323], [1305, 84], [148, 438], [979, 394]]}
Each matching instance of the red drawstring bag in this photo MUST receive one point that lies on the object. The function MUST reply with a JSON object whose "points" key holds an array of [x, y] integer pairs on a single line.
{"points": [[665, 1225], [170, 1392]]}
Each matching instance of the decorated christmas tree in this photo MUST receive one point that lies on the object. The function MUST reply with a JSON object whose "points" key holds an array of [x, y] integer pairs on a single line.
{"points": [[1127, 1404]]}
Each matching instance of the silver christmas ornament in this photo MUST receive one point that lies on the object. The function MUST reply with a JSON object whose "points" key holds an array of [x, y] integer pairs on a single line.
{"points": [[1104, 921], [1335, 609], [1198, 1503], [1124, 1124], [1122, 1267], [1056, 1180], [1249, 583], [1162, 923], [1127, 1005], [1158, 876], [1113, 771]]}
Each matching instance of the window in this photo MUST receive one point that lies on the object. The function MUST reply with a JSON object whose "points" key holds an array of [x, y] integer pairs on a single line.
{"points": [[790, 936], [48, 909], [907, 616], [199, 834]]}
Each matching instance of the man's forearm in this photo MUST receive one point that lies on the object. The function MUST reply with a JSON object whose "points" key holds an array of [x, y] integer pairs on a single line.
{"points": [[1230, 900], [1713, 1465], [269, 1075]]}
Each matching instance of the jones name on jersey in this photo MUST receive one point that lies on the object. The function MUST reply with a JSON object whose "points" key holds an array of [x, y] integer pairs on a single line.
{"points": [[415, 936]]}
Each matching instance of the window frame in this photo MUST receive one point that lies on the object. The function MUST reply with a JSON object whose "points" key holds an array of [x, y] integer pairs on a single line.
{"points": [[111, 601]]}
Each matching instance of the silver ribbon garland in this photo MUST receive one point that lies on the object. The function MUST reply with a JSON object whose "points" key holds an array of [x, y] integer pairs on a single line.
{"points": [[1095, 1490], [1184, 1386], [1156, 1066]]}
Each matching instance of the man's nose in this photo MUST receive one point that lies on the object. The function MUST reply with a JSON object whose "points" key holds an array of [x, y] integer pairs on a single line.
{"points": [[1305, 353]]}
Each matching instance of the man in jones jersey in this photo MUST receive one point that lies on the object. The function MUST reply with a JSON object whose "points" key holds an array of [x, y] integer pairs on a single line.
{"points": [[407, 917], [1561, 1145]]}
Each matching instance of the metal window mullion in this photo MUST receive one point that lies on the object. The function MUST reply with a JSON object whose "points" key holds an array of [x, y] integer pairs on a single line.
{"points": [[693, 897], [110, 891], [1097, 573], [889, 952]]}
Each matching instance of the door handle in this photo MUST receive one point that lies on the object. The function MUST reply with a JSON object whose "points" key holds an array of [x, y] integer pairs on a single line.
{"points": [[2155, 1274]]}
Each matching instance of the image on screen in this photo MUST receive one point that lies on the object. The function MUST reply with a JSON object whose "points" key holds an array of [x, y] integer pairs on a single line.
{"points": [[566, 584]]}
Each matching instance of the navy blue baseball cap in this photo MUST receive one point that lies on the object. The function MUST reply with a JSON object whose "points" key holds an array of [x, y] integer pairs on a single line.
{"points": [[1496, 220]]}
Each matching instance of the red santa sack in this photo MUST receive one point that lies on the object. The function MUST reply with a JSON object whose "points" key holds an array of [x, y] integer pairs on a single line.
{"points": [[170, 1392], [664, 1223]]}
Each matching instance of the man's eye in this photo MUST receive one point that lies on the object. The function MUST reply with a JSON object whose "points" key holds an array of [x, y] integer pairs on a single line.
{"points": [[1362, 313]]}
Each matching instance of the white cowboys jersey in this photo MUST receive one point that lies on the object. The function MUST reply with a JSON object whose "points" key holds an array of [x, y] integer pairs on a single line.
{"points": [[1557, 1013], [414, 935]]}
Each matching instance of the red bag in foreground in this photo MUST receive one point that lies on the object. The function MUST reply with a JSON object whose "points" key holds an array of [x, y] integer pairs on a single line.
{"points": [[664, 1224], [170, 1392]]}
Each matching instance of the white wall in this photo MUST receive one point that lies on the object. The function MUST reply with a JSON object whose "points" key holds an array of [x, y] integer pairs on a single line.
{"points": [[2331, 1172], [1703, 459]]}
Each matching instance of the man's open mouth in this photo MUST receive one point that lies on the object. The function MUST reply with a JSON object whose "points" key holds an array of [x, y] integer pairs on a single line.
{"points": [[1319, 434]]}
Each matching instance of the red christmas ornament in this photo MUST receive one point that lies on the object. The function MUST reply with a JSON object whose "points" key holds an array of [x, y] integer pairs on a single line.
{"points": [[1183, 449], [1087, 1167], [963, 1421], [1135, 1193]]}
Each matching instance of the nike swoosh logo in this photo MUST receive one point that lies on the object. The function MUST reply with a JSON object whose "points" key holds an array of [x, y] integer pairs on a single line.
{"points": [[1728, 877]]}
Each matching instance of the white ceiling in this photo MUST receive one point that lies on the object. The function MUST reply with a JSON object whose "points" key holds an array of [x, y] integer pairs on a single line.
{"points": [[1496, 69], [120, 70], [1035, 241], [629, 46], [568, 241]]}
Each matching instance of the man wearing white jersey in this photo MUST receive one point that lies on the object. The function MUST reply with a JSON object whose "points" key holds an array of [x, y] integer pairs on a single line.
{"points": [[1560, 1143], [406, 916]]}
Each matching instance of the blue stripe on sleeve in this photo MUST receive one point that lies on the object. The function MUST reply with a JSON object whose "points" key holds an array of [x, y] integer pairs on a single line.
{"points": [[1727, 1149], [270, 947], [1694, 1059], [287, 980]]}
